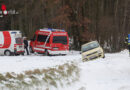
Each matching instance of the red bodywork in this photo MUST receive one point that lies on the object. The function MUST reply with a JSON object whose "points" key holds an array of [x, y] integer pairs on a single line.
{"points": [[9, 43], [7, 40], [40, 45]]}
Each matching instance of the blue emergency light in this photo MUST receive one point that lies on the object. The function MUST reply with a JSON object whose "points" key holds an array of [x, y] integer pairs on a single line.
{"points": [[128, 38], [54, 30], [63, 30], [13, 32], [49, 29]]}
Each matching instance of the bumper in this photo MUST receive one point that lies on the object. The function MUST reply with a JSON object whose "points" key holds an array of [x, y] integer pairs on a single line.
{"points": [[92, 57], [18, 52], [58, 52]]}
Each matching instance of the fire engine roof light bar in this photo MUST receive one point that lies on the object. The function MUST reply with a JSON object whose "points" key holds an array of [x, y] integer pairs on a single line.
{"points": [[13, 32], [56, 29], [53, 30], [45, 30]]}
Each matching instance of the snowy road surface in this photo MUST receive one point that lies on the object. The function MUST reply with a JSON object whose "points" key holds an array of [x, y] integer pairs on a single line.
{"points": [[111, 73]]}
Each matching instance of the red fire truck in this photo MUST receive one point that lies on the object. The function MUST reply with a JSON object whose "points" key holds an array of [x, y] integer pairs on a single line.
{"points": [[50, 41]]}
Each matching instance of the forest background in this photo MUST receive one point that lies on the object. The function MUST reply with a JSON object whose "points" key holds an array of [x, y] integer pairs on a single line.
{"points": [[107, 21]]}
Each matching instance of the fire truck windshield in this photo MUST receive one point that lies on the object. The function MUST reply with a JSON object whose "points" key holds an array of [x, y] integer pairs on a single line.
{"points": [[19, 40], [60, 39], [42, 38]]}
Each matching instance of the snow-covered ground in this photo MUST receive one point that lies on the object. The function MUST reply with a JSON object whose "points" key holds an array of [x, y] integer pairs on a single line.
{"points": [[18, 64], [111, 73]]}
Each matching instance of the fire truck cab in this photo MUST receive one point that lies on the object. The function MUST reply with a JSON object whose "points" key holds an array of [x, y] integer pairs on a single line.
{"points": [[50, 41], [11, 43]]}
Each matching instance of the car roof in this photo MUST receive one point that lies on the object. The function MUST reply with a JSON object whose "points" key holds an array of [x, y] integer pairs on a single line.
{"points": [[88, 43]]}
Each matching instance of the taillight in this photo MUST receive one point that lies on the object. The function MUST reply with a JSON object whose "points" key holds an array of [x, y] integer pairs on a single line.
{"points": [[15, 46]]}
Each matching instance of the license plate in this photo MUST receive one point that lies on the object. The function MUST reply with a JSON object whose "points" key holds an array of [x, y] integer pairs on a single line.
{"points": [[55, 48]]}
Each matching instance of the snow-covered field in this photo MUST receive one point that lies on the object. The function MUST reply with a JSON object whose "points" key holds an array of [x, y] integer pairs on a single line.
{"points": [[111, 73]]}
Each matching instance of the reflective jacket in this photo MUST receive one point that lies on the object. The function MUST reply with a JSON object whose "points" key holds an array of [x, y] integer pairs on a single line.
{"points": [[126, 41]]}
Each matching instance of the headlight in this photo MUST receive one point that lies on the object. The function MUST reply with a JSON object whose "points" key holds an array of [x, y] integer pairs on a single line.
{"points": [[83, 56]]}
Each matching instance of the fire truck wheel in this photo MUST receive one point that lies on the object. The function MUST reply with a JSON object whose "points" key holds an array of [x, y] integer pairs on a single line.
{"points": [[7, 53], [22, 54], [46, 53], [31, 50]]}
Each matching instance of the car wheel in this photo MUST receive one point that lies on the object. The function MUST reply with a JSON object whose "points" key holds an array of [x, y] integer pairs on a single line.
{"points": [[46, 53], [22, 54], [103, 56]]}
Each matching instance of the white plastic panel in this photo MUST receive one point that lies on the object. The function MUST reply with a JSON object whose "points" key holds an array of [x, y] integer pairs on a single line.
{"points": [[1, 39]]}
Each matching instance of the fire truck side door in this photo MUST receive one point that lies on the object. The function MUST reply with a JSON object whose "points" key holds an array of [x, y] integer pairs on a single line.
{"points": [[34, 41], [38, 42]]}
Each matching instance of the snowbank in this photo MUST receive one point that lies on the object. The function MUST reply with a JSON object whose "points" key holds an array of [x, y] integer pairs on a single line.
{"points": [[111, 73], [41, 79], [18, 64]]}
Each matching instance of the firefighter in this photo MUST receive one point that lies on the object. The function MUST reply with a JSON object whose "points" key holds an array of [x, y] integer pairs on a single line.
{"points": [[128, 44], [26, 45]]}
